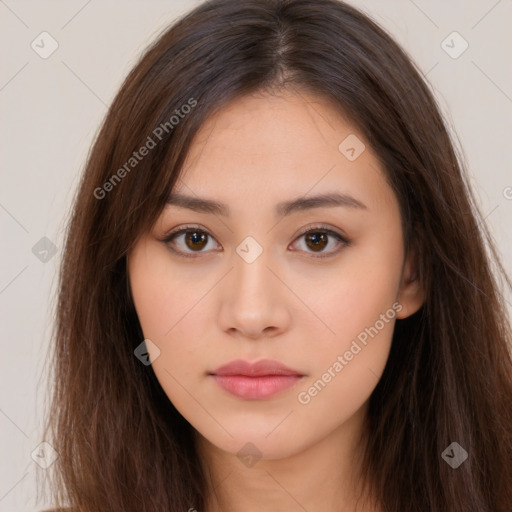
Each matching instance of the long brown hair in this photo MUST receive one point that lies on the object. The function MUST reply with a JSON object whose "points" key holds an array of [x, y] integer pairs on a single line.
{"points": [[122, 445]]}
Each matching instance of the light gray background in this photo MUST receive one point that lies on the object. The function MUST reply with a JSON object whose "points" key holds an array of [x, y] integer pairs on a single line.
{"points": [[51, 108]]}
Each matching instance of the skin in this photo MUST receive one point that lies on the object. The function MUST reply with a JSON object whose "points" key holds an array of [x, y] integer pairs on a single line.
{"points": [[288, 305]]}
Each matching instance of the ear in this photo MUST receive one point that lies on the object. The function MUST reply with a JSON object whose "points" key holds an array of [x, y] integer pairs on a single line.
{"points": [[411, 294]]}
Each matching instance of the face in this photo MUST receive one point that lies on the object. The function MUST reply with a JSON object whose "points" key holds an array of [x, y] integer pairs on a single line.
{"points": [[272, 273]]}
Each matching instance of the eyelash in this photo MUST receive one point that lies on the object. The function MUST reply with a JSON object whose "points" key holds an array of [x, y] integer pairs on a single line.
{"points": [[315, 229]]}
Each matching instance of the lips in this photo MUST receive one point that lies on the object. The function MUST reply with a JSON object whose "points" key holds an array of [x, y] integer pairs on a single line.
{"points": [[259, 368], [257, 380]]}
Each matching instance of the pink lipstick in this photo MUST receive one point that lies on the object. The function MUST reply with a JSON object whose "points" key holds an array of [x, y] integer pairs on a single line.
{"points": [[255, 381]]}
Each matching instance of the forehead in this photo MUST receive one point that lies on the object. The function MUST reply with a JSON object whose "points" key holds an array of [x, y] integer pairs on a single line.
{"points": [[264, 146]]}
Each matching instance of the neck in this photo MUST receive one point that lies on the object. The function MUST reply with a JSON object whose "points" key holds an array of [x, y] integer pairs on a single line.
{"points": [[323, 476]]}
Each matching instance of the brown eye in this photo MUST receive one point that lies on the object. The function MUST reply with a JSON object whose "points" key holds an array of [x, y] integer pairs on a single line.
{"points": [[192, 242], [316, 240], [196, 240], [189, 242]]}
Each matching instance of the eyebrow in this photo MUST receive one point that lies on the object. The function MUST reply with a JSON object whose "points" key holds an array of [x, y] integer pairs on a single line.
{"points": [[203, 205]]}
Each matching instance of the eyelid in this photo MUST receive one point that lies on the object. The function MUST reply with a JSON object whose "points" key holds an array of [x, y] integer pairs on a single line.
{"points": [[321, 227], [168, 236], [344, 241], [317, 227], [182, 230]]}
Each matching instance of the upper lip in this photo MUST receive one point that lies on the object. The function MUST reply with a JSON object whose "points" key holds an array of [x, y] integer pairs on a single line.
{"points": [[254, 369]]}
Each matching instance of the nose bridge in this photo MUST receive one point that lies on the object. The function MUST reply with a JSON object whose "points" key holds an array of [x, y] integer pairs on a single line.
{"points": [[252, 301], [252, 282]]}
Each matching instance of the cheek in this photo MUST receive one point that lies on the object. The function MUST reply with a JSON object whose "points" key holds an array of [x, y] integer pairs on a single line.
{"points": [[170, 308], [347, 365], [162, 295], [365, 288], [359, 307], [153, 301]]}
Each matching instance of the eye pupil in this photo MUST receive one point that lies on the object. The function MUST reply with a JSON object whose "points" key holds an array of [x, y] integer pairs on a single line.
{"points": [[198, 239], [319, 240]]}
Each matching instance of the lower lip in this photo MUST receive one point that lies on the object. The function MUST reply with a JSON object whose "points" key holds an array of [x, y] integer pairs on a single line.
{"points": [[255, 388]]}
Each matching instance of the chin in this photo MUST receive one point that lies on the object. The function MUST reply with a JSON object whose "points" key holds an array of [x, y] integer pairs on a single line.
{"points": [[249, 441]]}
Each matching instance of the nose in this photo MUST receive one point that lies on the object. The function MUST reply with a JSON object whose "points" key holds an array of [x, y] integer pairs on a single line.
{"points": [[254, 301]]}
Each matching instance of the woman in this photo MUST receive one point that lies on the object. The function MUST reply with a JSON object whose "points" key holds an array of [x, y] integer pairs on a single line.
{"points": [[275, 293]]}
